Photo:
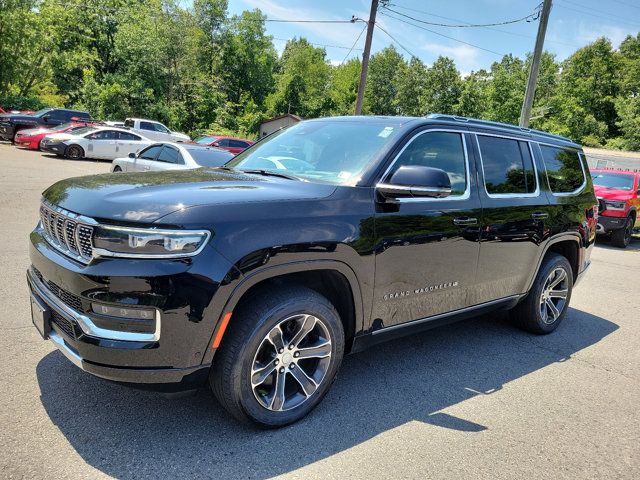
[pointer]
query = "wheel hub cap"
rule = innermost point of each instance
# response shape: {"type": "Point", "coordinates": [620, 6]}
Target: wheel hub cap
{"type": "Point", "coordinates": [554, 294]}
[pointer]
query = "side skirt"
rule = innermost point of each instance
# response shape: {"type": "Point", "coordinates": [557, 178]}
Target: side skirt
{"type": "Point", "coordinates": [370, 339]}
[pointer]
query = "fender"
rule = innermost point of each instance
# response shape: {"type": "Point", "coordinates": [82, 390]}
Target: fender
{"type": "Point", "coordinates": [561, 237]}
{"type": "Point", "coordinates": [238, 290]}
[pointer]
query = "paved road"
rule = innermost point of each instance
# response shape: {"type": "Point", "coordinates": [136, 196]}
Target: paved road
{"type": "Point", "coordinates": [478, 399]}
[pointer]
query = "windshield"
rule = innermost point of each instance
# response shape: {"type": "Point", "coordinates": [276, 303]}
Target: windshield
{"type": "Point", "coordinates": [206, 140]}
{"type": "Point", "coordinates": [324, 150]}
{"type": "Point", "coordinates": [40, 113]}
{"type": "Point", "coordinates": [210, 158]}
{"type": "Point", "coordinates": [619, 181]}
{"type": "Point", "coordinates": [83, 130]}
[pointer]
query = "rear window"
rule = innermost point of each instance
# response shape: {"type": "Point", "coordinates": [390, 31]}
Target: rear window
{"type": "Point", "coordinates": [564, 169]}
{"type": "Point", "coordinates": [209, 157]}
{"type": "Point", "coordinates": [507, 166]}
{"type": "Point", "coordinates": [206, 140]}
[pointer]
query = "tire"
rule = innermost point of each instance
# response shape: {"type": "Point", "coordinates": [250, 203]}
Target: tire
{"type": "Point", "coordinates": [622, 237]}
{"type": "Point", "coordinates": [534, 314]}
{"type": "Point", "coordinates": [74, 152]}
{"type": "Point", "coordinates": [239, 377]}
{"type": "Point", "coordinates": [117, 170]}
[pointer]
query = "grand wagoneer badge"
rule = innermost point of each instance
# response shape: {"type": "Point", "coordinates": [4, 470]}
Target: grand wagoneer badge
{"type": "Point", "coordinates": [420, 291]}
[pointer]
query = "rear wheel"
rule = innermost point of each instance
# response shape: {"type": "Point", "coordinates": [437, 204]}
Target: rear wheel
{"type": "Point", "coordinates": [279, 357]}
{"type": "Point", "coordinates": [622, 237]}
{"type": "Point", "coordinates": [74, 152]}
{"type": "Point", "coordinates": [546, 303]}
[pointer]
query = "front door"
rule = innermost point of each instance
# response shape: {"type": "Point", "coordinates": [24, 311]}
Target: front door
{"type": "Point", "coordinates": [427, 248]}
{"type": "Point", "coordinates": [516, 215]}
{"type": "Point", "coordinates": [103, 144]}
{"type": "Point", "coordinates": [146, 158]}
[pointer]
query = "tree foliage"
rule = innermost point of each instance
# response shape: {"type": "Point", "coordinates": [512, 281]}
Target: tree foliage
{"type": "Point", "coordinates": [197, 68]}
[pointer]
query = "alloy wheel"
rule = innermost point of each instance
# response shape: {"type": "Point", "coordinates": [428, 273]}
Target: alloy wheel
{"type": "Point", "coordinates": [554, 295]}
{"type": "Point", "coordinates": [291, 362]}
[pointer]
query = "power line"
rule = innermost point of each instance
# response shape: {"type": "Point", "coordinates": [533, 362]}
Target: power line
{"type": "Point", "coordinates": [396, 41]}
{"type": "Point", "coordinates": [599, 15]}
{"type": "Point", "coordinates": [443, 35]}
{"type": "Point", "coordinates": [507, 32]}
{"type": "Point", "coordinates": [354, 44]}
{"type": "Point", "coordinates": [530, 17]}
{"type": "Point", "coordinates": [585, 7]}
{"type": "Point", "coordinates": [318, 44]}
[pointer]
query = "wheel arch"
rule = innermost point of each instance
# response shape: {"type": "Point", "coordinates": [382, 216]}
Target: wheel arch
{"type": "Point", "coordinates": [328, 277]}
{"type": "Point", "coordinates": [568, 245]}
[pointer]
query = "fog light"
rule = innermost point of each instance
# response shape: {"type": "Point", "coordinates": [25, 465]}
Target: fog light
{"type": "Point", "coordinates": [121, 312]}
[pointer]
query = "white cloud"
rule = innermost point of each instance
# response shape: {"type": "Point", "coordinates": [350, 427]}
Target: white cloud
{"type": "Point", "coordinates": [465, 56]}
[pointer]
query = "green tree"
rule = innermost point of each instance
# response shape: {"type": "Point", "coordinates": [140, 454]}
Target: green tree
{"type": "Point", "coordinates": [411, 81]}
{"type": "Point", "coordinates": [380, 92]}
{"type": "Point", "coordinates": [442, 87]}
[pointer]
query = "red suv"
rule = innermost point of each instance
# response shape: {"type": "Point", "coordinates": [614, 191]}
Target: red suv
{"type": "Point", "coordinates": [230, 144]}
{"type": "Point", "coordinates": [618, 193]}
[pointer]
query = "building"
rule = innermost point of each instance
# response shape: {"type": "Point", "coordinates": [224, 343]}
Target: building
{"type": "Point", "coordinates": [601, 158]}
{"type": "Point", "coordinates": [276, 123]}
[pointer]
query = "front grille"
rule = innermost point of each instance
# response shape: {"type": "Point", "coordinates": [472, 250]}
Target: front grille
{"type": "Point", "coordinates": [64, 231]}
{"type": "Point", "coordinates": [63, 324]}
{"type": "Point", "coordinates": [68, 298]}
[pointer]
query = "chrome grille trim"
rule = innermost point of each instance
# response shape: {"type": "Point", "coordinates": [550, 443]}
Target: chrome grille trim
{"type": "Point", "coordinates": [68, 232]}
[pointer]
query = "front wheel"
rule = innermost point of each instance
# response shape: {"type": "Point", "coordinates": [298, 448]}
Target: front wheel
{"type": "Point", "coordinates": [279, 357]}
{"type": "Point", "coordinates": [546, 303]}
{"type": "Point", "coordinates": [74, 152]}
{"type": "Point", "coordinates": [622, 237]}
{"type": "Point", "coordinates": [117, 169]}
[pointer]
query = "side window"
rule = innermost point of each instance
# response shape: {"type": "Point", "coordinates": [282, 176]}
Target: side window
{"type": "Point", "coordinates": [147, 126]}
{"type": "Point", "coordinates": [104, 135]}
{"type": "Point", "coordinates": [129, 123]}
{"type": "Point", "coordinates": [238, 144]}
{"type": "Point", "coordinates": [170, 155]}
{"type": "Point", "coordinates": [564, 170]}
{"type": "Point", "coordinates": [507, 166]}
{"type": "Point", "coordinates": [224, 142]}
{"type": "Point", "coordinates": [150, 153]}
{"type": "Point", "coordinates": [161, 128]}
{"type": "Point", "coordinates": [443, 150]}
{"type": "Point", "coordinates": [130, 137]}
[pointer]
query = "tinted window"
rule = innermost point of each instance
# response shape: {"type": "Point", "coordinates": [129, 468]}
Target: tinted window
{"type": "Point", "coordinates": [210, 158]}
{"type": "Point", "coordinates": [507, 166]}
{"type": "Point", "coordinates": [224, 142]}
{"type": "Point", "coordinates": [170, 155]}
{"type": "Point", "coordinates": [129, 123]}
{"type": "Point", "coordinates": [151, 152]}
{"type": "Point", "coordinates": [618, 181]}
{"type": "Point", "coordinates": [147, 126]}
{"type": "Point", "coordinates": [104, 135]}
{"type": "Point", "coordinates": [563, 169]}
{"type": "Point", "coordinates": [443, 150]}
{"type": "Point", "coordinates": [128, 136]}
{"type": "Point", "coordinates": [206, 140]}
{"type": "Point", "coordinates": [238, 144]}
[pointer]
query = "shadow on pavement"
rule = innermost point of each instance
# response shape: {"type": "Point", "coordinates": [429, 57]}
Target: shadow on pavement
{"type": "Point", "coordinates": [128, 433]}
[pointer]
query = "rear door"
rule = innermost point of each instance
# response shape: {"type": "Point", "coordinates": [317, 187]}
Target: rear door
{"type": "Point", "coordinates": [102, 144]}
{"type": "Point", "coordinates": [169, 158]}
{"type": "Point", "coordinates": [128, 143]}
{"type": "Point", "coordinates": [516, 214]}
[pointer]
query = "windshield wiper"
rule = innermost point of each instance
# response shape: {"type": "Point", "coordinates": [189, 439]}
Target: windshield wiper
{"type": "Point", "coordinates": [270, 173]}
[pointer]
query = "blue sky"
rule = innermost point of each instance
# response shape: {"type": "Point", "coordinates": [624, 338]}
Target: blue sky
{"type": "Point", "coordinates": [572, 24]}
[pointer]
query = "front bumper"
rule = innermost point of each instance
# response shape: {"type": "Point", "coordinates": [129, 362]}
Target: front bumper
{"type": "Point", "coordinates": [6, 131]}
{"type": "Point", "coordinates": [607, 224]}
{"type": "Point", "coordinates": [27, 143]}
{"type": "Point", "coordinates": [182, 298]}
{"type": "Point", "coordinates": [57, 148]}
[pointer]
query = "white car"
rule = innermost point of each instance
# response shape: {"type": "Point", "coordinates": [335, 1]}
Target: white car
{"type": "Point", "coordinates": [172, 156]}
{"type": "Point", "coordinates": [155, 130]}
{"type": "Point", "coordinates": [104, 143]}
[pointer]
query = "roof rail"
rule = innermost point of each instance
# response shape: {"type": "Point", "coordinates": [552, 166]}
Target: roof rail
{"type": "Point", "coordinates": [492, 124]}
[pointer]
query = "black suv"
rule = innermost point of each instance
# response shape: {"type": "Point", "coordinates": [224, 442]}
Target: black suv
{"type": "Point", "coordinates": [10, 123]}
{"type": "Point", "coordinates": [323, 239]}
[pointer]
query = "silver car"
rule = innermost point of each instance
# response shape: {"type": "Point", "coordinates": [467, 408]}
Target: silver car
{"type": "Point", "coordinates": [171, 156]}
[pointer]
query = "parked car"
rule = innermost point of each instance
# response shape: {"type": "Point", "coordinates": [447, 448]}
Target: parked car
{"type": "Point", "coordinates": [171, 156]}
{"type": "Point", "coordinates": [30, 138]}
{"type": "Point", "coordinates": [11, 124]}
{"type": "Point", "coordinates": [104, 143]}
{"type": "Point", "coordinates": [154, 130]}
{"type": "Point", "coordinates": [25, 112]}
{"type": "Point", "coordinates": [231, 144]}
{"type": "Point", "coordinates": [618, 192]}
{"type": "Point", "coordinates": [258, 280]}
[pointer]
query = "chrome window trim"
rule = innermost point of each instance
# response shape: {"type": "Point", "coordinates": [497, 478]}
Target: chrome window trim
{"type": "Point", "coordinates": [581, 157]}
{"type": "Point", "coordinates": [85, 323]}
{"type": "Point", "coordinates": [467, 193]}
{"type": "Point", "coordinates": [535, 193]}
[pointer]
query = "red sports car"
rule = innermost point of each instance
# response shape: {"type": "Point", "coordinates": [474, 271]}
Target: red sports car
{"type": "Point", "coordinates": [230, 144]}
{"type": "Point", "coordinates": [31, 138]}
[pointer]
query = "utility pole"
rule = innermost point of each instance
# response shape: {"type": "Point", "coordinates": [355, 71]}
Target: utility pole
{"type": "Point", "coordinates": [365, 56]}
{"type": "Point", "coordinates": [529, 94]}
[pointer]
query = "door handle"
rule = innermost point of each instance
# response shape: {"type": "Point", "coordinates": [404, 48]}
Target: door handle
{"type": "Point", "coordinates": [464, 221]}
{"type": "Point", "coordinates": [539, 215]}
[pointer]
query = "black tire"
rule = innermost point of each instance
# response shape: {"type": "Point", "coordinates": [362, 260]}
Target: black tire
{"type": "Point", "coordinates": [74, 152]}
{"type": "Point", "coordinates": [534, 316]}
{"type": "Point", "coordinates": [622, 237]}
{"type": "Point", "coordinates": [117, 169]}
{"type": "Point", "coordinates": [231, 375]}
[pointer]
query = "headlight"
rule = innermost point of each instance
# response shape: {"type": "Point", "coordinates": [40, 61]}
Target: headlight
{"type": "Point", "coordinates": [109, 241]}
{"type": "Point", "coordinates": [614, 205]}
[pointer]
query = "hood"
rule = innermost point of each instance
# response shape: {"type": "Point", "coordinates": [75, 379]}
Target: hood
{"type": "Point", "coordinates": [613, 193]}
{"type": "Point", "coordinates": [147, 197]}
{"type": "Point", "coordinates": [61, 137]}
{"type": "Point", "coordinates": [34, 131]}
{"type": "Point", "coordinates": [8, 117]}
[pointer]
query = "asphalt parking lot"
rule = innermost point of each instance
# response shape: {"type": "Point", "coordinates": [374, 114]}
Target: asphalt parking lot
{"type": "Point", "coordinates": [476, 399]}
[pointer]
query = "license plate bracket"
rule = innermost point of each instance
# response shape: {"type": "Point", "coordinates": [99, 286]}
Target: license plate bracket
{"type": "Point", "coordinates": [40, 316]}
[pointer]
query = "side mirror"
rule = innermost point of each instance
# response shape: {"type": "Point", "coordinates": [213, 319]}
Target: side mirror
{"type": "Point", "coordinates": [132, 155]}
{"type": "Point", "coordinates": [416, 181]}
